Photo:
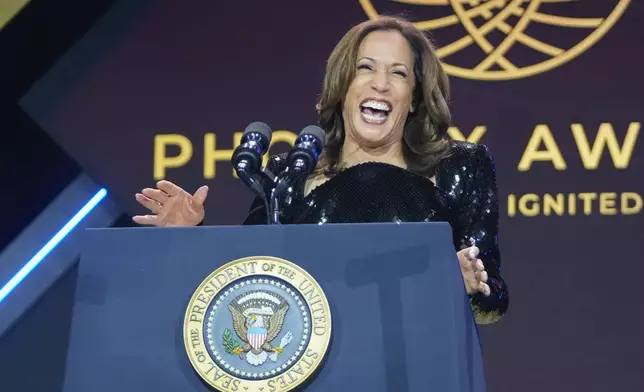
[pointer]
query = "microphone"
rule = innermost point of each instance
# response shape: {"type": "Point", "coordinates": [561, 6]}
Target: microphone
{"type": "Point", "coordinates": [305, 152]}
{"type": "Point", "coordinates": [247, 157]}
{"type": "Point", "coordinates": [255, 141]}
{"type": "Point", "coordinates": [300, 161]}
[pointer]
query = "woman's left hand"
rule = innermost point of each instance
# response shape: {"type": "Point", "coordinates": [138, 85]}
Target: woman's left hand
{"type": "Point", "coordinates": [473, 270]}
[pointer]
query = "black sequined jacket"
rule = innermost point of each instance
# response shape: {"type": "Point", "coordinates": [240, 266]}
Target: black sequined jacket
{"type": "Point", "coordinates": [464, 194]}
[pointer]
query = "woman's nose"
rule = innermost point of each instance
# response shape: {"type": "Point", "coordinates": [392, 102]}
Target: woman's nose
{"type": "Point", "coordinates": [380, 82]}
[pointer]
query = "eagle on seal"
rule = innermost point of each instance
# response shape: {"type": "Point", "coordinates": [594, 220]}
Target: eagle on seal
{"type": "Point", "coordinates": [258, 318]}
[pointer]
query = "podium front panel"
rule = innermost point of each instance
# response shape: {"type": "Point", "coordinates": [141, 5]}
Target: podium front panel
{"type": "Point", "coordinates": [400, 318]}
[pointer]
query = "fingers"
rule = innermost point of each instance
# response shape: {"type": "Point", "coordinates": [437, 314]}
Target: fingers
{"type": "Point", "coordinates": [478, 282]}
{"type": "Point", "coordinates": [468, 255]}
{"type": "Point", "coordinates": [156, 195]}
{"type": "Point", "coordinates": [148, 203]}
{"type": "Point", "coordinates": [146, 220]}
{"type": "Point", "coordinates": [484, 288]}
{"type": "Point", "coordinates": [472, 253]}
{"type": "Point", "coordinates": [478, 265]}
{"type": "Point", "coordinates": [473, 270]}
{"type": "Point", "coordinates": [201, 194]}
{"type": "Point", "coordinates": [169, 188]}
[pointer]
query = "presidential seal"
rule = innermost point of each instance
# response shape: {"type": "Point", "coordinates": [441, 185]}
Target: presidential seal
{"type": "Point", "coordinates": [257, 324]}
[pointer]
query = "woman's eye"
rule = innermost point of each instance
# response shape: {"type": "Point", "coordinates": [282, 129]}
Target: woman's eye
{"type": "Point", "coordinates": [364, 66]}
{"type": "Point", "coordinates": [401, 73]}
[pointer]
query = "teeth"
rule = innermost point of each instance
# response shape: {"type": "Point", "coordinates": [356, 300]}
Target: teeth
{"type": "Point", "coordinates": [374, 118]}
{"type": "Point", "coordinates": [376, 105]}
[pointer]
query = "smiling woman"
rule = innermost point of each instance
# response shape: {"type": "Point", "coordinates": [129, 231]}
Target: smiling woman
{"type": "Point", "coordinates": [395, 107]}
{"type": "Point", "coordinates": [387, 158]}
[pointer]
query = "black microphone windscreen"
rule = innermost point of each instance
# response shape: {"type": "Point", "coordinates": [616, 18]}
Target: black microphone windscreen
{"type": "Point", "coordinates": [261, 128]}
{"type": "Point", "coordinates": [315, 131]}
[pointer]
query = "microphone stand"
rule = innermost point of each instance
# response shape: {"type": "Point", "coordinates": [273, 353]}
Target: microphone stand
{"type": "Point", "coordinates": [301, 161]}
{"type": "Point", "coordinates": [282, 185]}
{"type": "Point", "coordinates": [283, 188]}
{"type": "Point", "coordinates": [254, 184]}
{"type": "Point", "coordinates": [275, 213]}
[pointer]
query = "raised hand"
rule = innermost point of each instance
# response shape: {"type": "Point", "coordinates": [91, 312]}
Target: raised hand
{"type": "Point", "coordinates": [171, 205]}
{"type": "Point", "coordinates": [473, 270]}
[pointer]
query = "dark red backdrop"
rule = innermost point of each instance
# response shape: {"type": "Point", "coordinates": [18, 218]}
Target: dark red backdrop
{"type": "Point", "coordinates": [195, 68]}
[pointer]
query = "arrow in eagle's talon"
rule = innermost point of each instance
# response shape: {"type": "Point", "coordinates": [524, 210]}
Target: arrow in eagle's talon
{"type": "Point", "coordinates": [278, 350]}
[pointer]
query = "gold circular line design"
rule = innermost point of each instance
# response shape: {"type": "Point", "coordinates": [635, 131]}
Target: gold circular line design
{"type": "Point", "coordinates": [510, 38]}
{"type": "Point", "coordinates": [516, 73]}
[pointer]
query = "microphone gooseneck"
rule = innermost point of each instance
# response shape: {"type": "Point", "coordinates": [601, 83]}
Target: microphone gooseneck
{"type": "Point", "coordinates": [247, 159]}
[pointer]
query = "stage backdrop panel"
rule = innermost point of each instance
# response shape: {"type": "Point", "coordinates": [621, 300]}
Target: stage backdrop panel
{"type": "Point", "coordinates": [163, 89]}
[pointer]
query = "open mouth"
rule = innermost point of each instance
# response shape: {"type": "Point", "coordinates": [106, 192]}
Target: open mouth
{"type": "Point", "coordinates": [375, 111]}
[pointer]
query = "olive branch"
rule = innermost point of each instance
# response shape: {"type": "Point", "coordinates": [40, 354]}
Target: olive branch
{"type": "Point", "coordinates": [229, 342]}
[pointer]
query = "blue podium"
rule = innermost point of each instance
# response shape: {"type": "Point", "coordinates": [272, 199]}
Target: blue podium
{"type": "Point", "coordinates": [337, 307]}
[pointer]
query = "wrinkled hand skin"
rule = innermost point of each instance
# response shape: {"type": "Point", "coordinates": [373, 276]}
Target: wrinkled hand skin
{"type": "Point", "coordinates": [171, 205]}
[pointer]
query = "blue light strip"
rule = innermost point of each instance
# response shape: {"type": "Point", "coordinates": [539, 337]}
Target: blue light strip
{"type": "Point", "coordinates": [51, 244]}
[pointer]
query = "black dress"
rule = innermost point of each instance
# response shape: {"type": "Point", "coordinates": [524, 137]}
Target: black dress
{"type": "Point", "coordinates": [465, 195]}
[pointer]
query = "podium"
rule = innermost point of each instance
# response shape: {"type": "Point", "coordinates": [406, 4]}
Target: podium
{"type": "Point", "coordinates": [334, 307]}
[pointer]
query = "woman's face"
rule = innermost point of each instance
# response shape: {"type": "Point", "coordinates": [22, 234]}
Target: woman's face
{"type": "Point", "coordinates": [379, 98]}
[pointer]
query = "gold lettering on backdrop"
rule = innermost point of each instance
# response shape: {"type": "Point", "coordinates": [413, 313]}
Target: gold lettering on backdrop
{"type": "Point", "coordinates": [211, 155]}
{"type": "Point", "coordinates": [591, 156]}
{"type": "Point", "coordinates": [282, 137]}
{"type": "Point", "coordinates": [542, 136]}
{"type": "Point", "coordinates": [554, 204]}
{"type": "Point", "coordinates": [163, 162]}
{"type": "Point", "coordinates": [474, 137]}
{"type": "Point", "coordinates": [607, 203]}
{"type": "Point", "coordinates": [631, 203]}
{"type": "Point", "coordinates": [541, 147]}
{"type": "Point", "coordinates": [571, 204]}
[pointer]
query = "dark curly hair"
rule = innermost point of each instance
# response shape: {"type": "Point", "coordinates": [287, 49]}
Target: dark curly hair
{"type": "Point", "coordinates": [424, 135]}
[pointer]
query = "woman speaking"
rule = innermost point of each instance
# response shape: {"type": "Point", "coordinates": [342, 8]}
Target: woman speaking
{"type": "Point", "coordinates": [384, 109]}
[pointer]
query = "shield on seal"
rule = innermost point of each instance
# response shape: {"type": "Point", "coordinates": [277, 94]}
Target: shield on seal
{"type": "Point", "coordinates": [256, 337]}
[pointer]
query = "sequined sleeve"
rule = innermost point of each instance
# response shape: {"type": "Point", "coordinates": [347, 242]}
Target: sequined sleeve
{"type": "Point", "coordinates": [478, 224]}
